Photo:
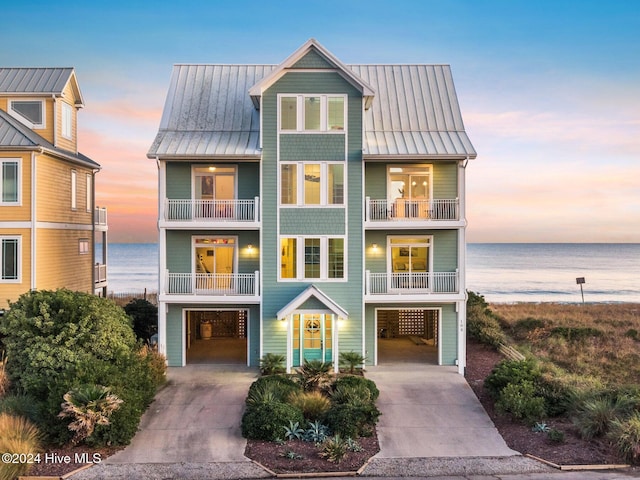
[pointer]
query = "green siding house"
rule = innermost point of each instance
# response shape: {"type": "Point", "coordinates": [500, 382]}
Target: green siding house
{"type": "Point", "coordinates": [311, 208]}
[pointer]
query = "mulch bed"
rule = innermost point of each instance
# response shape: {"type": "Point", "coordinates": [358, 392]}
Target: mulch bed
{"type": "Point", "coordinates": [273, 457]}
{"type": "Point", "coordinates": [573, 451]}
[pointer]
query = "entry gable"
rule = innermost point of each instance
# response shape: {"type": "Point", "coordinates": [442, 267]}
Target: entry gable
{"type": "Point", "coordinates": [311, 55]}
{"type": "Point", "coordinates": [311, 292]}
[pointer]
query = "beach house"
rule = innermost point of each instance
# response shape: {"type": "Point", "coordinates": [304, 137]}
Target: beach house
{"type": "Point", "coordinates": [49, 222]}
{"type": "Point", "coordinates": [311, 208]}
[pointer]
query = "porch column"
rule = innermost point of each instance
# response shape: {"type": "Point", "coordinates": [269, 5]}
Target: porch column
{"type": "Point", "coordinates": [462, 336]}
{"type": "Point", "coordinates": [162, 328]}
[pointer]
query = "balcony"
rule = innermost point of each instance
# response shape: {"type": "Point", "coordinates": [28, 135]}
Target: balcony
{"type": "Point", "coordinates": [212, 288]}
{"type": "Point", "coordinates": [212, 213]}
{"type": "Point", "coordinates": [411, 213]}
{"type": "Point", "coordinates": [100, 275]}
{"type": "Point", "coordinates": [100, 218]}
{"type": "Point", "coordinates": [420, 285]}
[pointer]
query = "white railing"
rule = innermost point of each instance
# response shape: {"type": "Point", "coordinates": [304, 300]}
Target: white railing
{"type": "Point", "coordinates": [100, 272]}
{"type": "Point", "coordinates": [100, 216]}
{"type": "Point", "coordinates": [211, 210]}
{"type": "Point", "coordinates": [413, 210]}
{"type": "Point", "coordinates": [212, 284]}
{"type": "Point", "coordinates": [411, 283]}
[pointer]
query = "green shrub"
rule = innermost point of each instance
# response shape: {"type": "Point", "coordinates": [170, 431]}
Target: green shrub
{"type": "Point", "coordinates": [353, 394]}
{"type": "Point", "coordinates": [511, 372]}
{"type": "Point", "coordinates": [144, 315]}
{"type": "Point", "coordinates": [351, 361]}
{"type": "Point", "coordinates": [625, 435]}
{"type": "Point", "coordinates": [272, 364]}
{"type": "Point", "coordinates": [266, 421]}
{"type": "Point", "coordinates": [58, 340]}
{"type": "Point", "coordinates": [272, 388]}
{"type": "Point", "coordinates": [350, 419]}
{"type": "Point", "coordinates": [576, 334]}
{"type": "Point", "coordinates": [556, 436]}
{"type": "Point", "coordinates": [558, 395]}
{"type": "Point", "coordinates": [355, 380]}
{"type": "Point", "coordinates": [633, 334]}
{"type": "Point", "coordinates": [482, 324]}
{"type": "Point", "coordinates": [594, 416]}
{"type": "Point", "coordinates": [523, 327]}
{"type": "Point", "coordinates": [519, 400]}
{"type": "Point", "coordinates": [313, 405]}
{"type": "Point", "coordinates": [20, 405]}
{"type": "Point", "coordinates": [316, 433]}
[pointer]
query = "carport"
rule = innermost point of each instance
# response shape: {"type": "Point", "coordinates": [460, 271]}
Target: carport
{"type": "Point", "coordinates": [216, 336]}
{"type": "Point", "coordinates": [408, 335]}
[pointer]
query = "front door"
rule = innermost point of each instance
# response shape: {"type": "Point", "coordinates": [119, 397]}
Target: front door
{"type": "Point", "coordinates": [312, 337]}
{"type": "Point", "coordinates": [214, 263]}
{"type": "Point", "coordinates": [215, 191]}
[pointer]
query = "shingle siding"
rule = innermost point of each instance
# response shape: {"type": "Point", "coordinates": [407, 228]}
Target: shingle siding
{"type": "Point", "coordinates": [312, 147]}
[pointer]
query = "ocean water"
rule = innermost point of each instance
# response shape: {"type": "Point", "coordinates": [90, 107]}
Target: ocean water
{"type": "Point", "coordinates": [502, 272]}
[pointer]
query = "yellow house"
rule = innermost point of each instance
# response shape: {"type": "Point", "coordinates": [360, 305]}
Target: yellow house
{"type": "Point", "coordinates": [49, 223]}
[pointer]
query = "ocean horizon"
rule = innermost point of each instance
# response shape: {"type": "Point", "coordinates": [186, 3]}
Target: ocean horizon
{"type": "Point", "coordinates": [501, 272]}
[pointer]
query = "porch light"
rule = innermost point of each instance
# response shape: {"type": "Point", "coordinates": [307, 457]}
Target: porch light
{"type": "Point", "coordinates": [250, 247]}
{"type": "Point", "coordinates": [212, 169]}
{"type": "Point", "coordinates": [374, 246]}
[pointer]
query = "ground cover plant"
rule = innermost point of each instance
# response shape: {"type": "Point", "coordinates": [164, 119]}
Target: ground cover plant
{"type": "Point", "coordinates": [579, 380]}
{"type": "Point", "coordinates": [311, 421]}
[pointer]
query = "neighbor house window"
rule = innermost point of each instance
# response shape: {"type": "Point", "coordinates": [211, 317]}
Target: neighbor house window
{"type": "Point", "coordinates": [67, 116]}
{"type": "Point", "coordinates": [74, 189]}
{"type": "Point", "coordinates": [312, 184]}
{"type": "Point", "coordinates": [29, 112]}
{"type": "Point", "coordinates": [10, 259]}
{"type": "Point", "coordinates": [312, 113]}
{"type": "Point", "coordinates": [83, 246]}
{"type": "Point", "coordinates": [319, 258]}
{"type": "Point", "coordinates": [9, 181]}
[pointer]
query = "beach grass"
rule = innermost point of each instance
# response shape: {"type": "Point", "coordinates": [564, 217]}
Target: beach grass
{"type": "Point", "coordinates": [600, 341]}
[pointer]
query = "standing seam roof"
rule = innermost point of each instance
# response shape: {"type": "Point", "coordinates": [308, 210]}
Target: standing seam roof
{"type": "Point", "coordinates": [34, 80]}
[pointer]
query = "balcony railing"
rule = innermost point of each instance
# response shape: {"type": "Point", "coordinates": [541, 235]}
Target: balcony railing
{"type": "Point", "coordinates": [408, 283]}
{"type": "Point", "coordinates": [100, 216]}
{"type": "Point", "coordinates": [217, 284]}
{"type": "Point", "coordinates": [412, 210]}
{"type": "Point", "coordinates": [211, 210]}
{"type": "Point", "coordinates": [100, 272]}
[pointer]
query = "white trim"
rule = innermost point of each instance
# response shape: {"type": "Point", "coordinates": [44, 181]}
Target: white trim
{"type": "Point", "coordinates": [194, 166]}
{"type": "Point", "coordinates": [34, 205]}
{"type": "Point", "coordinates": [89, 191]}
{"type": "Point", "coordinates": [311, 291]}
{"type": "Point", "coordinates": [235, 245]}
{"type": "Point", "coordinates": [18, 202]}
{"type": "Point", "coordinates": [429, 172]}
{"type": "Point", "coordinates": [66, 113]}
{"type": "Point", "coordinates": [429, 243]}
{"type": "Point", "coordinates": [25, 121]}
{"type": "Point", "coordinates": [18, 254]}
{"type": "Point", "coordinates": [324, 258]}
{"type": "Point", "coordinates": [74, 189]}
{"type": "Point", "coordinates": [324, 113]}
{"type": "Point", "coordinates": [415, 308]}
{"type": "Point", "coordinates": [64, 226]}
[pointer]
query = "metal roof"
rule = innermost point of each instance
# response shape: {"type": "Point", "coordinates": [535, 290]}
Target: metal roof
{"type": "Point", "coordinates": [34, 79]}
{"type": "Point", "coordinates": [414, 113]}
{"type": "Point", "coordinates": [15, 136]}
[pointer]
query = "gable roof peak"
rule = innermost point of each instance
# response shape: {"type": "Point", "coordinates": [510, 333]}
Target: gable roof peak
{"type": "Point", "coordinates": [312, 44]}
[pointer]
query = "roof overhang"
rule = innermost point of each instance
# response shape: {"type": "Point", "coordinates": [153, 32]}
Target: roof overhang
{"type": "Point", "coordinates": [259, 88]}
{"type": "Point", "coordinates": [311, 291]}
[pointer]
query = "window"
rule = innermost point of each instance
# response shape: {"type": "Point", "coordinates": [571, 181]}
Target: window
{"type": "Point", "coordinates": [10, 259]}
{"type": "Point", "coordinates": [83, 246]}
{"type": "Point", "coordinates": [409, 254]}
{"type": "Point", "coordinates": [67, 115]}
{"type": "Point", "coordinates": [320, 258]}
{"type": "Point", "coordinates": [322, 183]}
{"type": "Point", "coordinates": [312, 113]}
{"type": "Point", "coordinates": [74, 189]}
{"type": "Point", "coordinates": [9, 181]}
{"type": "Point", "coordinates": [29, 112]}
{"type": "Point", "coordinates": [89, 192]}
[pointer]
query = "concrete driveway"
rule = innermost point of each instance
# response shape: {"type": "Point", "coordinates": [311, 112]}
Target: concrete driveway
{"type": "Point", "coordinates": [431, 411]}
{"type": "Point", "coordinates": [194, 419]}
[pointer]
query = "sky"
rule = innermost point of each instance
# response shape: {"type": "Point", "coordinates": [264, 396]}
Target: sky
{"type": "Point", "coordinates": [549, 92]}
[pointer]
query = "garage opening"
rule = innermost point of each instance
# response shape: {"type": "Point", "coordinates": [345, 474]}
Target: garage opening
{"type": "Point", "coordinates": [217, 336]}
{"type": "Point", "coordinates": [408, 335]}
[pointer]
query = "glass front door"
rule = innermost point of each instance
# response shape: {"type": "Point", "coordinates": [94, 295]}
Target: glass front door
{"type": "Point", "coordinates": [410, 191]}
{"type": "Point", "coordinates": [312, 337]}
{"type": "Point", "coordinates": [215, 190]}
{"type": "Point", "coordinates": [214, 263]}
{"type": "Point", "coordinates": [409, 262]}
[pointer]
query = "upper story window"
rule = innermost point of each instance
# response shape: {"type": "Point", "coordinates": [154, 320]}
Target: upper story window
{"type": "Point", "coordinates": [312, 113]}
{"type": "Point", "coordinates": [312, 184]}
{"type": "Point", "coordinates": [29, 112]}
{"type": "Point", "coordinates": [9, 181]}
{"type": "Point", "coordinates": [307, 258]}
{"type": "Point", "coordinates": [67, 118]}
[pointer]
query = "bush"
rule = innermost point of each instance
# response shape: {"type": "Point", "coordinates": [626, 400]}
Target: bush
{"type": "Point", "coordinates": [625, 435]}
{"type": "Point", "coordinates": [511, 371]}
{"type": "Point", "coordinates": [272, 364]}
{"type": "Point", "coordinates": [145, 318]}
{"type": "Point", "coordinates": [351, 360]}
{"type": "Point", "coordinates": [17, 435]}
{"type": "Point", "coordinates": [4, 377]}
{"type": "Point", "coordinates": [595, 416]}
{"type": "Point", "coordinates": [20, 405]}
{"type": "Point", "coordinates": [266, 421]}
{"type": "Point", "coordinates": [276, 388]}
{"type": "Point", "coordinates": [522, 328]}
{"type": "Point", "coordinates": [555, 436]}
{"type": "Point", "coordinates": [334, 449]}
{"type": "Point", "coordinates": [58, 340]}
{"type": "Point", "coordinates": [576, 334]}
{"type": "Point", "coordinates": [354, 380]}
{"type": "Point", "coordinates": [349, 420]}
{"type": "Point", "coordinates": [558, 395]}
{"type": "Point", "coordinates": [314, 375]}
{"type": "Point", "coordinates": [520, 400]}
{"type": "Point", "coordinates": [313, 405]}
{"type": "Point", "coordinates": [482, 324]}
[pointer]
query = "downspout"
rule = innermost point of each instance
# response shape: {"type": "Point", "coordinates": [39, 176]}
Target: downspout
{"type": "Point", "coordinates": [462, 254]}
{"type": "Point", "coordinates": [33, 220]}
{"type": "Point", "coordinates": [55, 118]}
{"type": "Point", "coordinates": [93, 231]}
{"type": "Point", "coordinates": [162, 305]}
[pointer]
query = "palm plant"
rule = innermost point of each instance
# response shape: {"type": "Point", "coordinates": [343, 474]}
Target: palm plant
{"type": "Point", "coordinates": [272, 364]}
{"type": "Point", "coordinates": [89, 406]}
{"type": "Point", "coordinates": [351, 360]}
{"type": "Point", "coordinates": [314, 375]}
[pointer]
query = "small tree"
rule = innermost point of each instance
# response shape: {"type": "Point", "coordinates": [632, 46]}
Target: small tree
{"type": "Point", "coordinates": [145, 318]}
{"type": "Point", "coordinates": [272, 364]}
{"type": "Point", "coordinates": [351, 360]}
{"type": "Point", "coordinates": [89, 406]}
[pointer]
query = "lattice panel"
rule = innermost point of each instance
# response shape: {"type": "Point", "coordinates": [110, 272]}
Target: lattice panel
{"type": "Point", "coordinates": [411, 322]}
